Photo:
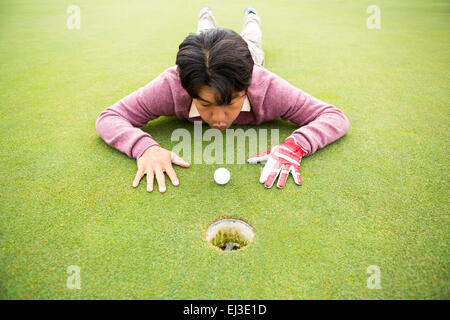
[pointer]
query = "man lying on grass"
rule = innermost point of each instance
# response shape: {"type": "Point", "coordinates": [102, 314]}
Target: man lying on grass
{"type": "Point", "coordinates": [219, 78]}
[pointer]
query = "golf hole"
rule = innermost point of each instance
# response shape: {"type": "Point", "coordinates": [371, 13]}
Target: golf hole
{"type": "Point", "coordinates": [230, 234]}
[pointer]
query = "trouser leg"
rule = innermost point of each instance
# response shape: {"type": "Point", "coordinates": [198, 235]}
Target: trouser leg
{"type": "Point", "coordinates": [206, 20]}
{"type": "Point", "coordinates": [252, 34]}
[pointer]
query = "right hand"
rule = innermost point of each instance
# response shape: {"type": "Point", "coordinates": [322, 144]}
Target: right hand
{"type": "Point", "coordinates": [280, 161]}
{"type": "Point", "coordinates": [154, 162]}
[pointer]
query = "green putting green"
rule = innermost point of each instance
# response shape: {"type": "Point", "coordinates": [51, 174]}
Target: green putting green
{"type": "Point", "coordinates": [376, 197]}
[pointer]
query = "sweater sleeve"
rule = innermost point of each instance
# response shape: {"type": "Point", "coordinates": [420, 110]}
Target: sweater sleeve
{"type": "Point", "coordinates": [319, 123]}
{"type": "Point", "coordinates": [118, 124]}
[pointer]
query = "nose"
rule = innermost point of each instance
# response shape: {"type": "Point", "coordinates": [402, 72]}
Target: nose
{"type": "Point", "coordinates": [218, 116]}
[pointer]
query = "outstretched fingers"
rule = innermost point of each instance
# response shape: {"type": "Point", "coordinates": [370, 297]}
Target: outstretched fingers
{"type": "Point", "coordinates": [178, 160]}
{"type": "Point", "coordinates": [272, 177]}
{"type": "Point", "coordinates": [161, 181]}
{"type": "Point", "coordinates": [283, 176]}
{"type": "Point", "coordinates": [150, 180]}
{"type": "Point", "coordinates": [260, 158]}
{"type": "Point", "coordinates": [295, 170]}
{"type": "Point", "coordinates": [267, 170]}
{"type": "Point", "coordinates": [172, 175]}
{"type": "Point", "coordinates": [139, 174]}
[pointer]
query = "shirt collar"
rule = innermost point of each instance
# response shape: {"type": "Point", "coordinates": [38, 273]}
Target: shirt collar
{"type": "Point", "coordinates": [193, 112]}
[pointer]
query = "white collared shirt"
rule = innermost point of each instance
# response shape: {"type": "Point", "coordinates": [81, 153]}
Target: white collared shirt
{"type": "Point", "coordinates": [193, 112]}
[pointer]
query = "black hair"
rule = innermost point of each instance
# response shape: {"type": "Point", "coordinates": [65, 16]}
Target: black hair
{"type": "Point", "coordinates": [218, 58]}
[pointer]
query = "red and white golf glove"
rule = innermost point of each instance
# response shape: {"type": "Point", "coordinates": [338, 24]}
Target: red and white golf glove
{"type": "Point", "coordinates": [280, 160]}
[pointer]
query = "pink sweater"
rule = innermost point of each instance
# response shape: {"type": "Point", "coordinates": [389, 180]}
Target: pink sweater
{"type": "Point", "coordinates": [270, 97]}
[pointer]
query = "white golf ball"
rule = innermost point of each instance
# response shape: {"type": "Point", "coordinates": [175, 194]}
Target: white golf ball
{"type": "Point", "coordinates": [222, 176]}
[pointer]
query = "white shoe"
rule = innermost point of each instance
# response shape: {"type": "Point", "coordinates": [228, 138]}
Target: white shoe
{"type": "Point", "coordinates": [249, 10]}
{"type": "Point", "coordinates": [205, 20]}
{"type": "Point", "coordinates": [204, 10]}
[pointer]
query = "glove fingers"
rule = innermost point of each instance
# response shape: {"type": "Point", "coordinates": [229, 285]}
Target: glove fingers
{"type": "Point", "coordinates": [260, 157]}
{"type": "Point", "coordinates": [272, 177]}
{"type": "Point", "coordinates": [283, 176]}
{"type": "Point", "coordinates": [296, 175]}
{"type": "Point", "coordinates": [257, 159]}
{"type": "Point", "coordinates": [267, 170]}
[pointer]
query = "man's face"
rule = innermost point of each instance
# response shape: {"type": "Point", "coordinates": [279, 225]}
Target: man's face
{"type": "Point", "coordinates": [219, 117]}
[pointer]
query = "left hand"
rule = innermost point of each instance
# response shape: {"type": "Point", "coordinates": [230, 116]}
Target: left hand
{"type": "Point", "coordinates": [282, 158]}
